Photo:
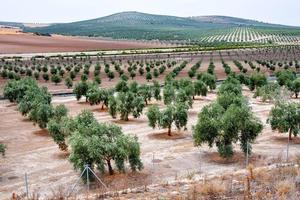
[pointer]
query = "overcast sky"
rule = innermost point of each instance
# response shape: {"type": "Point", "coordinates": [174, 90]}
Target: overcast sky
{"type": "Point", "coordinates": [47, 11]}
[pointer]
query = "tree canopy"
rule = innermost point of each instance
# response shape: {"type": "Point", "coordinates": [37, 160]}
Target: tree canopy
{"type": "Point", "coordinates": [98, 144]}
{"type": "Point", "coordinates": [285, 117]}
{"type": "Point", "coordinates": [177, 114]}
{"type": "Point", "coordinates": [227, 121]}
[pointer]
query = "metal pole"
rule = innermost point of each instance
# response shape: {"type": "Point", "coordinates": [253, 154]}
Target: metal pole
{"type": "Point", "coordinates": [98, 178]}
{"type": "Point", "coordinates": [247, 155]}
{"type": "Point", "coordinates": [26, 184]}
{"type": "Point", "coordinates": [287, 149]}
{"type": "Point", "coordinates": [87, 180]}
{"type": "Point", "coordinates": [77, 182]}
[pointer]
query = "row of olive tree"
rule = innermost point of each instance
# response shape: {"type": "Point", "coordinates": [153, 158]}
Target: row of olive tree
{"type": "Point", "coordinates": [91, 142]}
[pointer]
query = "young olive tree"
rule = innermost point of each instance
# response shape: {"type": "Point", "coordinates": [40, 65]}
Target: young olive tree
{"type": "Point", "coordinates": [103, 144]}
{"type": "Point", "coordinates": [269, 92]}
{"type": "Point", "coordinates": [59, 126]}
{"type": "Point", "coordinates": [257, 80]}
{"type": "Point", "coordinates": [2, 149]}
{"type": "Point", "coordinates": [156, 91]}
{"type": "Point", "coordinates": [285, 117]}
{"type": "Point", "coordinates": [228, 120]}
{"type": "Point", "coordinates": [126, 103]}
{"type": "Point", "coordinates": [224, 127]}
{"type": "Point", "coordinates": [177, 114]}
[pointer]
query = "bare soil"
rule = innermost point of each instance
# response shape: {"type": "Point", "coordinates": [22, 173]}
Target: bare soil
{"type": "Point", "coordinates": [165, 158]}
{"type": "Point", "coordinates": [14, 42]}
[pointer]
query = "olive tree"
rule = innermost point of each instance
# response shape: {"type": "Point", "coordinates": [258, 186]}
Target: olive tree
{"type": "Point", "coordinates": [269, 92]}
{"type": "Point", "coordinates": [222, 127]}
{"type": "Point", "coordinates": [156, 90]}
{"type": "Point", "coordinates": [59, 126]}
{"type": "Point", "coordinates": [81, 89]}
{"type": "Point", "coordinates": [2, 149]}
{"type": "Point", "coordinates": [36, 104]}
{"type": "Point", "coordinates": [209, 79]}
{"type": "Point", "coordinates": [69, 82]}
{"type": "Point", "coordinates": [15, 90]}
{"type": "Point", "coordinates": [177, 114]}
{"type": "Point", "coordinates": [295, 87]}
{"type": "Point", "coordinates": [257, 80]}
{"type": "Point", "coordinates": [126, 103]}
{"type": "Point", "coordinates": [200, 88]}
{"type": "Point", "coordinates": [168, 94]}
{"type": "Point", "coordinates": [285, 77]}
{"type": "Point", "coordinates": [99, 144]}
{"type": "Point", "coordinates": [285, 117]}
{"type": "Point", "coordinates": [145, 91]}
{"type": "Point", "coordinates": [56, 79]}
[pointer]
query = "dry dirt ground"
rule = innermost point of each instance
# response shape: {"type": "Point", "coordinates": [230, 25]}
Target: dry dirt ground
{"type": "Point", "coordinates": [31, 150]}
{"type": "Point", "coordinates": [15, 42]}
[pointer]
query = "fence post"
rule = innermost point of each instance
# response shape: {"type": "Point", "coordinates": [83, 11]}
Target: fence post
{"type": "Point", "coordinates": [87, 180]}
{"type": "Point", "coordinates": [287, 150]}
{"type": "Point", "coordinates": [26, 184]}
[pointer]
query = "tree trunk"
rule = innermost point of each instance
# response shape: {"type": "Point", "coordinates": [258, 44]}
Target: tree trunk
{"type": "Point", "coordinates": [290, 134]}
{"type": "Point", "coordinates": [193, 97]}
{"type": "Point", "coordinates": [102, 107]}
{"type": "Point", "coordinates": [110, 169]}
{"type": "Point", "coordinates": [146, 102]}
{"type": "Point", "coordinates": [126, 117]}
{"type": "Point", "coordinates": [169, 131]}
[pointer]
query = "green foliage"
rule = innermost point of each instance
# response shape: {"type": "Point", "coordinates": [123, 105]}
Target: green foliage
{"type": "Point", "coordinates": [95, 95]}
{"type": "Point", "coordinates": [36, 103]}
{"type": "Point", "coordinates": [145, 91]}
{"type": "Point", "coordinates": [209, 79]}
{"type": "Point", "coordinates": [69, 82]}
{"type": "Point", "coordinates": [97, 144]}
{"type": "Point", "coordinates": [257, 80]}
{"type": "Point", "coordinates": [168, 94]}
{"type": "Point", "coordinates": [285, 77]}
{"type": "Point", "coordinates": [80, 89]}
{"type": "Point", "coordinates": [224, 127]}
{"type": "Point", "coordinates": [2, 149]}
{"type": "Point", "coordinates": [126, 103]}
{"type": "Point", "coordinates": [269, 92]}
{"type": "Point", "coordinates": [177, 114]}
{"type": "Point", "coordinates": [59, 126]}
{"type": "Point", "coordinates": [97, 79]}
{"type": "Point", "coordinates": [122, 86]}
{"type": "Point", "coordinates": [200, 88]}
{"type": "Point", "coordinates": [15, 90]}
{"type": "Point", "coordinates": [46, 77]}
{"type": "Point", "coordinates": [156, 91]}
{"type": "Point", "coordinates": [295, 87]}
{"type": "Point", "coordinates": [285, 117]}
{"type": "Point", "coordinates": [56, 79]}
{"type": "Point", "coordinates": [230, 92]}
{"type": "Point", "coordinates": [148, 76]}
{"type": "Point", "coordinates": [227, 121]}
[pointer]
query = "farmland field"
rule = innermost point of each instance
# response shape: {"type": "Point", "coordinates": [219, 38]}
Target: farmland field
{"type": "Point", "coordinates": [32, 150]}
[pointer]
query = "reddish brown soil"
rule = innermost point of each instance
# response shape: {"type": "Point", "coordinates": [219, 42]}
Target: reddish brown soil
{"type": "Point", "coordinates": [165, 158]}
{"type": "Point", "coordinates": [28, 43]}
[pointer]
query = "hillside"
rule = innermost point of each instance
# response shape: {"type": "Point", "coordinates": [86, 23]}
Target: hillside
{"type": "Point", "coordinates": [133, 25]}
{"type": "Point", "coordinates": [235, 21]}
{"type": "Point", "coordinates": [142, 26]}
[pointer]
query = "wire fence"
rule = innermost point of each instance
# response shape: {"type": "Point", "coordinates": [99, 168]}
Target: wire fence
{"type": "Point", "coordinates": [160, 171]}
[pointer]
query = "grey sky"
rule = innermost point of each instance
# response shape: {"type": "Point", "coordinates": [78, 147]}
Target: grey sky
{"type": "Point", "coordinates": [273, 11]}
